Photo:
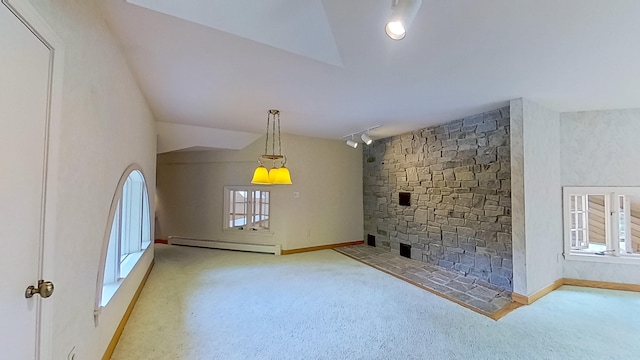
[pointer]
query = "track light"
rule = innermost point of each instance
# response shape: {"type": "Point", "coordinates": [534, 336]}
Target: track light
{"type": "Point", "coordinates": [352, 143]}
{"type": "Point", "coordinates": [365, 137]}
{"type": "Point", "coordinates": [402, 15]}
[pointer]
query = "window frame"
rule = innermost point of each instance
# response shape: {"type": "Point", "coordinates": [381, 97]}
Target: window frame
{"type": "Point", "coordinates": [250, 205]}
{"type": "Point", "coordinates": [578, 211]}
{"type": "Point", "coordinates": [612, 195]}
{"type": "Point", "coordinates": [112, 264]}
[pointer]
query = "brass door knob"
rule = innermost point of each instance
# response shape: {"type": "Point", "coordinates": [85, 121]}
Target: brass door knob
{"type": "Point", "coordinates": [45, 289]}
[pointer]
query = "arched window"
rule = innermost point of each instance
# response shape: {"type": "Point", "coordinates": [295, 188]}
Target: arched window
{"type": "Point", "coordinates": [129, 233]}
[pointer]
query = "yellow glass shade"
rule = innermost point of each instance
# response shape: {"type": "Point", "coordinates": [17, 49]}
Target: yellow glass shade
{"type": "Point", "coordinates": [283, 177]}
{"type": "Point", "coordinates": [273, 173]}
{"type": "Point", "coordinates": [261, 176]}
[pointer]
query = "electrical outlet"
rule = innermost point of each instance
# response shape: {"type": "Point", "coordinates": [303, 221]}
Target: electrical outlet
{"type": "Point", "coordinates": [72, 354]}
{"type": "Point", "coordinates": [296, 194]}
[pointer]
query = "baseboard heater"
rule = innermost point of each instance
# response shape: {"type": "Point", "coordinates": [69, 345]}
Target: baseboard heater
{"type": "Point", "coordinates": [225, 245]}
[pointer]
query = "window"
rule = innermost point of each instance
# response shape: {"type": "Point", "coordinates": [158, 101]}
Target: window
{"type": "Point", "coordinates": [129, 231]}
{"type": "Point", "coordinates": [246, 208]}
{"type": "Point", "coordinates": [579, 232]}
{"type": "Point", "coordinates": [602, 222]}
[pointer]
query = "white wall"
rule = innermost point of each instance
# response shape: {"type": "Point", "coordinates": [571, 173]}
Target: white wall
{"type": "Point", "coordinates": [106, 125]}
{"type": "Point", "coordinates": [326, 173]}
{"type": "Point", "coordinates": [601, 148]}
{"type": "Point", "coordinates": [536, 196]}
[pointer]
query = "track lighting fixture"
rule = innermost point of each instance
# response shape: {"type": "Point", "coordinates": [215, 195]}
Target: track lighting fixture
{"type": "Point", "coordinates": [402, 15]}
{"type": "Point", "coordinates": [366, 139]}
{"type": "Point", "coordinates": [353, 144]}
{"type": "Point", "coordinates": [364, 136]}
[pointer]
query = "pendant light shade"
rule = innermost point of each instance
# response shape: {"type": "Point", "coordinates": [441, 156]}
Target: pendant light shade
{"type": "Point", "coordinates": [273, 173]}
{"type": "Point", "coordinates": [261, 176]}
{"type": "Point", "coordinates": [278, 174]}
{"type": "Point", "coordinates": [283, 177]}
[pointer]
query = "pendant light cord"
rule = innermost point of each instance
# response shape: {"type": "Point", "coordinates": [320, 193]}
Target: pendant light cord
{"type": "Point", "coordinates": [279, 137]}
{"type": "Point", "coordinates": [266, 141]}
{"type": "Point", "coordinates": [273, 136]}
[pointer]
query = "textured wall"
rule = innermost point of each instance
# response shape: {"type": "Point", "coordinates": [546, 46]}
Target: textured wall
{"type": "Point", "coordinates": [459, 178]}
{"type": "Point", "coordinates": [536, 196]}
{"type": "Point", "coordinates": [600, 148]}
{"type": "Point", "coordinates": [326, 174]}
{"type": "Point", "coordinates": [105, 126]}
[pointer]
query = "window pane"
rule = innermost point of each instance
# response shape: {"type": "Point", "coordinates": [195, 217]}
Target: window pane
{"type": "Point", "coordinates": [146, 218]}
{"type": "Point", "coordinates": [125, 229]}
{"type": "Point", "coordinates": [232, 215]}
{"type": "Point", "coordinates": [596, 222]}
{"type": "Point", "coordinates": [260, 209]}
{"type": "Point", "coordinates": [579, 200]}
{"type": "Point", "coordinates": [111, 264]}
{"type": "Point", "coordinates": [238, 203]}
{"type": "Point", "coordinates": [132, 214]}
{"type": "Point", "coordinates": [632, 229]}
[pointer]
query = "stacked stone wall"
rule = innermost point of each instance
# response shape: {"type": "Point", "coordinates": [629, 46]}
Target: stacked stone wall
{"type": "Point", "coordinates": [459, 178]}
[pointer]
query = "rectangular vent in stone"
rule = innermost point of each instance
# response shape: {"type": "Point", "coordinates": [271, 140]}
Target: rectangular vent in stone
{"type": "Point", "coordinates": [405, 250]}
{"type": "Point", "coordinates": [371, 240]}
{"type": "Point", "coordinates": [405, 198]}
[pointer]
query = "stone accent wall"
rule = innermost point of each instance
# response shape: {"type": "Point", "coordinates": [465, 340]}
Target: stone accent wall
{"type": "Point", "coordinates": [459, 177]}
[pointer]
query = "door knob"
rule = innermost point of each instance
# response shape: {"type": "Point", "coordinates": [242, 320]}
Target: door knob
{"type": "Point", "coordinates": [45, 289]}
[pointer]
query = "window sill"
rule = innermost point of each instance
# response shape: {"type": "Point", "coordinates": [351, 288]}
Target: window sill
{"type": "Point", "coordinates": [129, 262]}
{"type": "Point", "coordinates": [247, 232]}
{"type": "Point", "coordinates": [110, 289]}
{"type": "Point", "coordinates": [627, 259]}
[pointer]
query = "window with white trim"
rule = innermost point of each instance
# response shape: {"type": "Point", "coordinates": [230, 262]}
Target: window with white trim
{"type": "Point", "coordinates": [246, 208]}
{"type": "Point", "coordinates": [129, 234]}
{"type": "Point", "coordinates": [602, 223]}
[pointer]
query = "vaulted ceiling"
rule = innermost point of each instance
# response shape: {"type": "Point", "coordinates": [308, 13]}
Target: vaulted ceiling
{"type": "Point", "coordinates": [331, 70]}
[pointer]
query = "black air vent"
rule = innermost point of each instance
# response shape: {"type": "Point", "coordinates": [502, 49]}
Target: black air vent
{"type": "Point", "coordinates": [405, 198]}
{"type": "Point", "coordinates": [371, 240]}
{"type": "Point", "coordinates": [405, 250]}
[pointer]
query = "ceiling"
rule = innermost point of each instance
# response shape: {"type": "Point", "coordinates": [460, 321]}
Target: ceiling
{"type": "Point", "coordinates": [328, 66]}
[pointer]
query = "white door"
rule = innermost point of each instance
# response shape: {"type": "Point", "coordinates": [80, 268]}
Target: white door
{"type": "Point", "coordinates": [24, 79]}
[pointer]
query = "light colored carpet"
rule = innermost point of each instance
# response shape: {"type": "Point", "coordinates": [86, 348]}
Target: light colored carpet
{"type": "Point", "coordinates": [213, 304]}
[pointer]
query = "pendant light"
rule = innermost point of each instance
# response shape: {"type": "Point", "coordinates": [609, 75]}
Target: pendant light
{"type": "Point", "coordinates": [278, 175]}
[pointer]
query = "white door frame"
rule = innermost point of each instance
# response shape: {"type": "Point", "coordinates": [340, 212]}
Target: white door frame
{"type": "Point", "coordinates": [36, 24]}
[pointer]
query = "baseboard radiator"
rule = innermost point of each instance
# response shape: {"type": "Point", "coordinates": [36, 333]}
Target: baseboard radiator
{"type": "Point", "coordinates": [225, 245]}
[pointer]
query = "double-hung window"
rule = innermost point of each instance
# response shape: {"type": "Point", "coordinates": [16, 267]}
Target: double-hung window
{"type": "Point", "coordinates": [247, 208]}
{"type": "Point", "coordinates": [602, 223]}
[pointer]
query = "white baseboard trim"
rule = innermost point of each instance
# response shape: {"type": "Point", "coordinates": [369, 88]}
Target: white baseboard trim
{"type": "Point", "coordinates": [225, 245]}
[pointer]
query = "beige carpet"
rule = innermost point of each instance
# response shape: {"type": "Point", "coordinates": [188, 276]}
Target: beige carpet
{"type": "Point", "coordinates": [213, 304]}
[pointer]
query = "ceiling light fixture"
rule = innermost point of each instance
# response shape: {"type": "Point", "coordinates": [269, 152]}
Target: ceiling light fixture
{"type": "Point", "coordinates": [277, 175]}
{"type": "Point", "coordinates": [364, 136]}
{"type": "Point", "coordinates": [353, 144]}
{"type": "Point", "coordinates": [402, 14]}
